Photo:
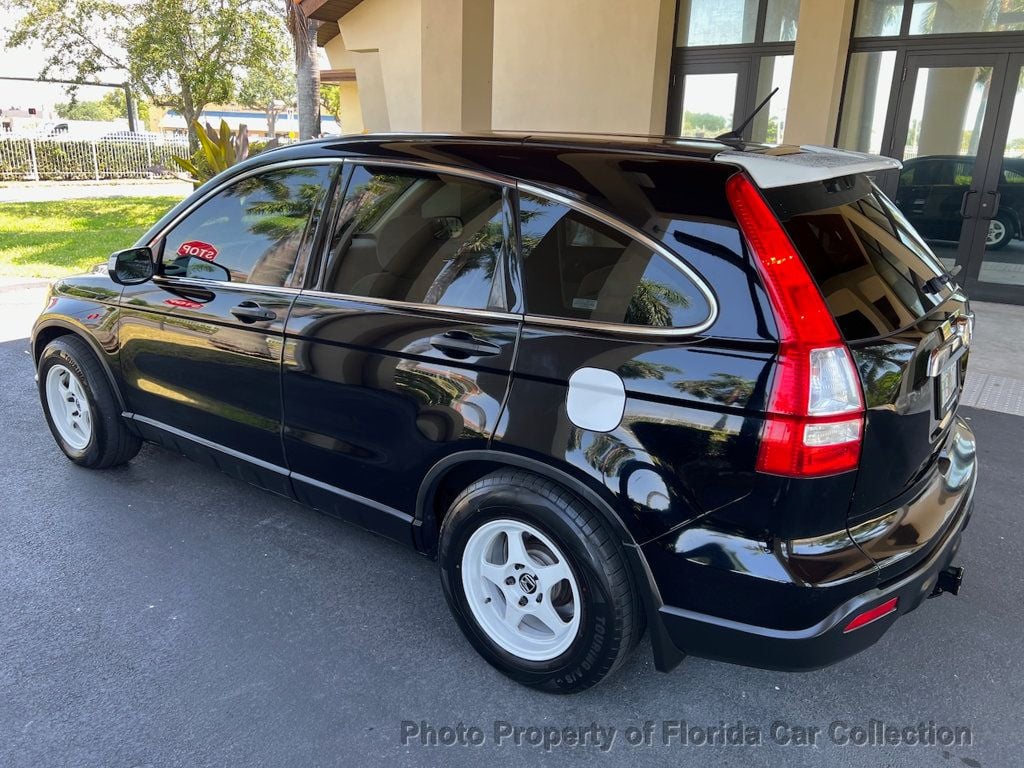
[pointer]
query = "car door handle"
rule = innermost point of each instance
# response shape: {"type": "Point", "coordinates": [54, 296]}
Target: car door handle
{"type": "Point", "coordinates": [250, 311]}
{"type": "Point", "coordinates": [460, 345]}
{"type": "Point", "coordinates": [964, 204]}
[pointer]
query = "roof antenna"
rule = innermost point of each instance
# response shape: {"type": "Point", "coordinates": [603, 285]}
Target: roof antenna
{"type": "Point", "coordinates": [736, 134]}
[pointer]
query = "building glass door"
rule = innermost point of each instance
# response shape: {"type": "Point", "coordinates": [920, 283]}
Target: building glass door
{"type": "Point", "coordinates": [939, 85]}
{"type": "Point", "coordinates": [960, 138]}
{"type": "Point", "coordinates": [1000, 270]}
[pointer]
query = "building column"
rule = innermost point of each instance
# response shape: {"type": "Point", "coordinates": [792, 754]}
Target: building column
{"type": "Point", "coordinates": [456, 48]}
{"type": "Point", "coordinates": [819, 63]}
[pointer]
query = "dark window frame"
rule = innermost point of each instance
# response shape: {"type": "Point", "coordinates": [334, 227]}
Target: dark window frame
{"type": "Point", "coordinates": [745, 58]}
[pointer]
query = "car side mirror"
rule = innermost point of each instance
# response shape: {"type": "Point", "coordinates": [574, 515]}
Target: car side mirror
{"type": "Point", "coordinates": [131, 266]}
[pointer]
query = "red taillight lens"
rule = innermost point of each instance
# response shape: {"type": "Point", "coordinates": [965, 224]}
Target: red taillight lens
{"type": "Point", "coordinates": [815, 412]}
{"type": "Point", "coordinates": [876, 613]}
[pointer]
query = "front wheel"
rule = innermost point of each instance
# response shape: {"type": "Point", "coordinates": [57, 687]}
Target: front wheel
{"type": "Point", "coordinates": [537, 582]}
{"type": "Point", "coordinates": [1000, 232]}
{"type": "Point", "coordinates": [81, 408]}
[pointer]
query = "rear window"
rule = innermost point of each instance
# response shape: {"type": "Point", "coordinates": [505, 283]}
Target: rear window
{"type": "Point", "coordinates": [871, 266]}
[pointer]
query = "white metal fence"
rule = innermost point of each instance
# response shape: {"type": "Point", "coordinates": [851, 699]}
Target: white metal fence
{"type": "Point", "coordinates": [65, 158]}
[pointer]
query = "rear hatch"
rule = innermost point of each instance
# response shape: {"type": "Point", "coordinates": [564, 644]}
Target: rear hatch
{"type": "Point", "coordinates": [905, 321]}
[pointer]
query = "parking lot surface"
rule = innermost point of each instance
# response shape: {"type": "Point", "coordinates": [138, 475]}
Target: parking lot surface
{"type": "Point", "coordinates": [162, 614]}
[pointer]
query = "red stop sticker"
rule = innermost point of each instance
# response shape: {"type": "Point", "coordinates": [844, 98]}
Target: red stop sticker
{"type": "Point", "coordinates": [199, 249]}
{"type": "Point", "coordinates": [185, 303]}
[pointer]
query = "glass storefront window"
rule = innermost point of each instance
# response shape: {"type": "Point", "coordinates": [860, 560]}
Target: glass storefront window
{"type": "Point", "coordinates": [780, 21]}
{"type": "Point", "coordinates": [769, 126]}
{"type": "Point", "coordinates": [868, 85]}
{"type": "Point", "coordinates": [716, 22]}
{"type": "Point", "coordinates": [878, 18]}
{"type": "Point", "coordinates": [708, 104]}
{"type": "Point", "coordinates": [947, 112]}
{"type": "Point", "coordinates": [941, 17]}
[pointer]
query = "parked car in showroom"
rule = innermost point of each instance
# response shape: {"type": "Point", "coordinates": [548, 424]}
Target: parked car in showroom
{"type": "Point", "coordinates": [932, 193]}
{"type": "Point", "coordinates": [699, 388]}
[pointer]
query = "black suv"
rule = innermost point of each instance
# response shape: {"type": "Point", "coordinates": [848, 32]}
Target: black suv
{"type": "Point", "coordinates": [703, 388]}
{"type": "Point", "coordinates": [932, 194]}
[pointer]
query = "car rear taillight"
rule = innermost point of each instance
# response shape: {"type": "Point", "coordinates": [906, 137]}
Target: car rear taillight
{"type": "Point", "coordinates": [815, 412]}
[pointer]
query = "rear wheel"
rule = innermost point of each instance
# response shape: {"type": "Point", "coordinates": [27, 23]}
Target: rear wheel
{"type": "Point", "coordinates": [81, 408]}
{"type": "Point", "coordinates": [1000, 232]}
{"type": "Point", "coordinates": [537, 582]}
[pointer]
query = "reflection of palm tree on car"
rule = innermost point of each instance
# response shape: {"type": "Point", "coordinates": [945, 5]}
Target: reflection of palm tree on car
{"type": "Point", "coordinates": [652, 303]}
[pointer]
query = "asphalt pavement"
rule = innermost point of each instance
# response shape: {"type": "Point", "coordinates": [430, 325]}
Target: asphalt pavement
{"type": "Point", "coordinates": [162, 614]}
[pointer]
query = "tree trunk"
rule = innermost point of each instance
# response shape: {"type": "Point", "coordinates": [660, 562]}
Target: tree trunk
{"type": "Point", "coordinates": [271, 122]}
{"type": "Point", "coordinates": [307, 75]}
{"type": "Point", "coordinates": [191, 114]}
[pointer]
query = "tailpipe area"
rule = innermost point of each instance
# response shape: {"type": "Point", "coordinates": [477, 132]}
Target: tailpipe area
{"type": "Point", "coordinates": [950, 579]}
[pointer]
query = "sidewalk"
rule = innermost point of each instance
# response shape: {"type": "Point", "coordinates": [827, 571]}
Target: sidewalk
{"type": "Point", "coordinates": [43, 191]}
{"type": "Point", "coordinates": [996, 378]}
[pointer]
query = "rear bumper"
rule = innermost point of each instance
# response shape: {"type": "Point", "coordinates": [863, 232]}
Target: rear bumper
{"type": "Point", "coordinates": [910, 578]}
{"type": "Point", "coordinates": [816, 646]}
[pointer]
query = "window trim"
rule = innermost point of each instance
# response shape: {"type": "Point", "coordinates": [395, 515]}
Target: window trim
{"type": "Point", "coordinates": [201, 282]}
{"type": "Point", "coordinates": [633, 233]}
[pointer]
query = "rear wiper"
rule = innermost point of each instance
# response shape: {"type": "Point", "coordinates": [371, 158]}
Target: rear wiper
{"type": "Point", "coordinates": [945, 280]}
{"type": "Point", "coordinates": [736, 134]}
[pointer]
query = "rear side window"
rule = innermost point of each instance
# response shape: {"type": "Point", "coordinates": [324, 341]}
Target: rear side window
{"type": "Point", "coordinates": [419, 237]}
{"type": "Point", "coordinates": [254, 231]}
{"type": "Point", "coordinates": [871, 266]}
{"type": "Point", "coordinates": [577, 267]}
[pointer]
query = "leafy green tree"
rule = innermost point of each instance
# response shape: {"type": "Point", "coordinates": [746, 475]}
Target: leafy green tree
{"type": "Point", "coordinates": [705, 122]}
{"type": "Point", "coordinates": [112, 106]}
{"type": "Point", "coordinates": [330, 100]}
{"type": "Point", "coordinates": [84, 110]}
{"type": "Point", "coordinates": [270, 85]}
{"type": "Point", "coordinates": [182, 54]}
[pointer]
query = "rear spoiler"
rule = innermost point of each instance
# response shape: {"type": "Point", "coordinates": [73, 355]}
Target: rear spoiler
{"type": "Point", "coordinates": [785, 165]}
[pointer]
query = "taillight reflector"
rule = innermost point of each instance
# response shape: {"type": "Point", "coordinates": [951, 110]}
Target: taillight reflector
{"type": "Point", "coordinates": [876, 613]}
{"type": "Point", "coordinates": [815, 412]}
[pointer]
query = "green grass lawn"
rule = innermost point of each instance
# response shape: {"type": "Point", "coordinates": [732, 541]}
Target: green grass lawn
{"type": "Point", "coordinates": [63, 237]}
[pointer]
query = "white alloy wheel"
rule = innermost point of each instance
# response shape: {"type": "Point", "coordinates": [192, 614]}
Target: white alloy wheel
{"type": "Point", "coordinates": [521, 590]}
{"type": "Point", "coordinates": [996, 232]}
{"type": "Point", "coordinates": [69, 407]}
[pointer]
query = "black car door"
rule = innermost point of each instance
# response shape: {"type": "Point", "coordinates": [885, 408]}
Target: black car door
{"type": "Point", "coordinates": [201, 343]}
{"type": "Point", "coordinates": [401, 354]}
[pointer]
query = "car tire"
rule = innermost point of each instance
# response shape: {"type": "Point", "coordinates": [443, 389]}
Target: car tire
{"type": "Point", "coordinates": [592, 616]}
{"type": "Point", "coordinates": [1001, 232]}
{"type": "Point", "coordinates": [80, 406]}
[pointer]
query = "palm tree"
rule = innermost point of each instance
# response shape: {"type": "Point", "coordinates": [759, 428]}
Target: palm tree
{"type": "Point", "coordinates": [307, 69]}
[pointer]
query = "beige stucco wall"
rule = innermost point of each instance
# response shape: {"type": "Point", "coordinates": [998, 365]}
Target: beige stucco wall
{"type": "Point", "coordinates": [582, 65]}
{"type": "Point", "coordinates": [380, 39]}
{"type": "Point", "coordinates": [815, 92]}
{"type": "Point", "coordinates": [564, 65]}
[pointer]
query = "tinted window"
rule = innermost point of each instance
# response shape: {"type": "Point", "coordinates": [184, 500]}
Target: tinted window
{"type": "Point", "coordinates": [577, 267]}
{"type": "Point", "coordinates": [419, 237]}
{"type": "Point", "coordinates": [871, 266]}
{"type": "Point", "coordinates": [252, 232]}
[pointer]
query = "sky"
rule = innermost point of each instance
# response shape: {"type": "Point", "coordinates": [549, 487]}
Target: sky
{"type": "Point", "coordinates": [29, 62]}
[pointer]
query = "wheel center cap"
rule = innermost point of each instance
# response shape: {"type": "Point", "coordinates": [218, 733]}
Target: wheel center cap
{"type": "Point", "coordinates": [528, 583]}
